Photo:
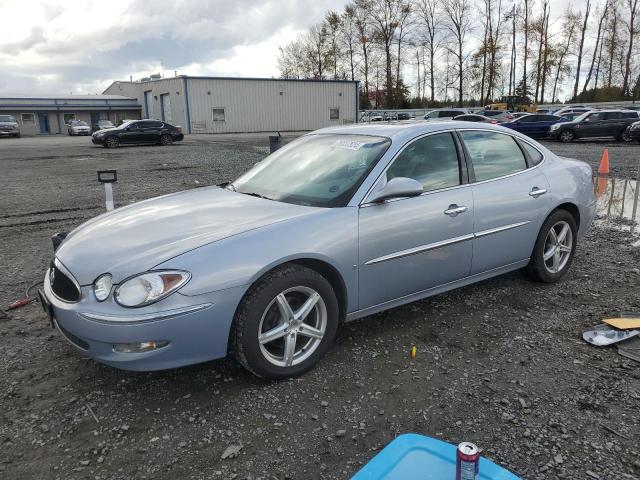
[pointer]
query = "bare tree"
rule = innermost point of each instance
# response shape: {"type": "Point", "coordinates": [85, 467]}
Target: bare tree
{"type": "Point", "coordinates": [526, 46]}
{"type": "Point", "coordinates": [332, 26]}
{"type": "Point", "coordinates": [349, 37]}
{"type": "Point", "coordinates": [459, 23]}
{"type": "Point", "coordinates": [598, 45]}
{"type": "Point", "coordinates": [428, 12]}
{"type": "Point", "coordinates": [364, 36]}
{"type": "Point", "coordinates": [612, 40]}
{"type": "Point", "coordinates": [581, 46]}
{"type": "Point", "coordinates": [385, 15]}
{"type": "Point", "coordinates": [569, 28]}
{"type": "Point", "coordinates": [632, 6]}
{"type": "Point", "coordinates": [512, 60]}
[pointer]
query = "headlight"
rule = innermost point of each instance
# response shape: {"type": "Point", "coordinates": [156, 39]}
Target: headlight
{"type": "Point", "coordinates": [635, 126]}
{"type": "Point", "coordinates": [149, 287]}
{"type": "Point", "coordinates": [555, 126]}
{"type": "Point", "coordinates": [102, 287]}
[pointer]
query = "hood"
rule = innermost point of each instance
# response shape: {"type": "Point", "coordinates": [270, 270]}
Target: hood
{"type": "Point", "coordinates": [134, 239]}
{"type": "Point", "coordinates": [106, 129]}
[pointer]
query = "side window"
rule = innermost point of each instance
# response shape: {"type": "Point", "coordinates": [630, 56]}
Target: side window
{"type": "Point", "coordinates": [612, 116]}
{"type": "Point", "coordinates": [528, 118]}
{"type": "Point", "coordinates": [493, 154]}
{"type": "Point", "coordinates": [534, 153]}
{"type": "Point", "coordinates": [431, 160]}
{"type": "Point", "coordinates": [629, 114]}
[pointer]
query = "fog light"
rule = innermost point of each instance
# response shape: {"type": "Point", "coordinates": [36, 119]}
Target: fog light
{"type": "Point", "coordinates": [139, 347]}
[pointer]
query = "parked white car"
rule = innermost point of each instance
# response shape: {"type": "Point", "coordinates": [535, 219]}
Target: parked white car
{"type": "Point", "coordinates": [78, 127]}
{"type": "Point", "coordinates": [9, 126]}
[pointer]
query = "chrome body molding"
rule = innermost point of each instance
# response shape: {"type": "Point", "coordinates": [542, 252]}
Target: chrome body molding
{"type": "Point", "coordinates": [504, 228]}
{"type": "Point", "coordinates": [102, 317]}
{"type": "Point", "coordinates": [420, 249]}
{"type": "Point", "coordinates": [444, 243]}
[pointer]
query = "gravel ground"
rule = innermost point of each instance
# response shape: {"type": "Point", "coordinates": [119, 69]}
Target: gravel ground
{"type": "Point", "coordinates": [500, 363]}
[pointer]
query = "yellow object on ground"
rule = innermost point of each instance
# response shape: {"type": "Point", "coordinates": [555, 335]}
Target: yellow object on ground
{"type": "Point", "coordinates": [623, 323]}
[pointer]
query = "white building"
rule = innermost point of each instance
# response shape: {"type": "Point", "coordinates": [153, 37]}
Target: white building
{"type": "Point", "coordinates": [226, 105]}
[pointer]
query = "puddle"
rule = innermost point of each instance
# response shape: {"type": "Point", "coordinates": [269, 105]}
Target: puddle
{"type": "Point", "coordinates": [618, 199]}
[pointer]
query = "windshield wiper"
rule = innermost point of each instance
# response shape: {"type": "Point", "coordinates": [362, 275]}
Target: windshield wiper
{"type": "Point", "coordinates": [254, 194]}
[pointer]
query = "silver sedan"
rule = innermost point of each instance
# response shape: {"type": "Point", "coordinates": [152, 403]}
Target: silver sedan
{"type": "Point", "coordinates": [339, 224]}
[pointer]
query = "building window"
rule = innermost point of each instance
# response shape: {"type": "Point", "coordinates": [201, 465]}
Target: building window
{"type": "Point", "coordinates": [218, 115]}
{"type": "Point", "coordinates": [28, 118]}
{"type": "Point", "coordinates": [334, 114]}
{"type": "Point", "coordinates": [68, 117]}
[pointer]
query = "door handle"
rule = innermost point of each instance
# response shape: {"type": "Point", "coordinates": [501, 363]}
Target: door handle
{"type": "Point", "coordinates": [454, 210]}
{"type": "Point", "coordinates": [536, 192]}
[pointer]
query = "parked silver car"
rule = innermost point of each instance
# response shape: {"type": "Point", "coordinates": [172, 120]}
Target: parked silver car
{"type": "Point", "coordinates": [9, 126]}
{"type": "Point", "coordinates": [78, 127]}
{"type": "Point", "coordinates": [339, 224]}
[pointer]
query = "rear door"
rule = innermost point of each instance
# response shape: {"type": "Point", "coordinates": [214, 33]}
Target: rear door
{"type": "Point", "coordinates": [409, 245]}
{"type": "Point", "coordinates": [510, 201]}
{"type": "Point", "coordinates": [591, 126]}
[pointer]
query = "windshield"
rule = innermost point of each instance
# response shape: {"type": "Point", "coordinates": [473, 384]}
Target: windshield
{"type": "Point", "coordinates": [316, 170]}
{"type": "Point", "coordinates": [105, 122]}
{"type": "Point", "coordinates": [581, 117]}
{"type": "Point", "coordinates": [7, 118]}
{"type": "Point", "coordinates": [126, 123]}
{"type": "Point", "coordinates": [79, 123]}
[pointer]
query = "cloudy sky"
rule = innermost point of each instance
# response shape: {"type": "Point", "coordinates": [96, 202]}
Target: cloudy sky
{"type": "Point", "coordinates": [59, 47]}
{"type": "Point", "coordinates": [82, 46]}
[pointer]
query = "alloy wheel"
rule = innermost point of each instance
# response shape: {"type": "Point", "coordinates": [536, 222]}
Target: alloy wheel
{"type": "Point", "coordinates": [292, 326]}
{"type": "Point", "coordinates": [112, 142]}
{"type": "Point", "coordinates": [557, 247]}
{"type": "Point", "coordinates": [566, 136]}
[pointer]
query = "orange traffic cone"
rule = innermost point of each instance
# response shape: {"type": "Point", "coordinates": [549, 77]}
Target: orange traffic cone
{"type": "Point", "coordinates": [603, 169]}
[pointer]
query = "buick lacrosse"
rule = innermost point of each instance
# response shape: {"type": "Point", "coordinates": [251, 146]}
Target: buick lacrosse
{"type": "Point", "coordinates": [341, 223]}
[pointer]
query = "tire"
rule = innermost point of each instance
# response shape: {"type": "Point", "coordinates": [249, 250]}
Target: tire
{"type": "Point", "coordinates": [544, 270]}
{"type": "Point", "coordinates": [261, 312]}
{"type": "Point", "coordinates": [625, 136]}
{"type": "Point", "coordinates": [567, 136]}
{"type": "Point", "coordinates": [166, 140]}
{"type": "Point", "coordinates": [111, 142]}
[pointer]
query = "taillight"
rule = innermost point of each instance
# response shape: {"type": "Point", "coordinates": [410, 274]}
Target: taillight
{"type": "Point", "coordinates": [493, 121]}
{"type": "Point", "coordinates": [509, 117]}
{"type": "Point", "coordinates": [179, 129]}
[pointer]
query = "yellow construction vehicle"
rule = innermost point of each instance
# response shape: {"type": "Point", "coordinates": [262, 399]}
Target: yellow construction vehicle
{"type": "Point", "coordinates": [513, 103]}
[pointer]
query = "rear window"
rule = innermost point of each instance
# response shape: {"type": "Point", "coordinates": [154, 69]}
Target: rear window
{"type": "Point", "coordinates": [629, 114]}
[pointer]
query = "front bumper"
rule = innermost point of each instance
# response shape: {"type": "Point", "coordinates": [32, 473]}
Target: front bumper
{"type": "Point", "coordinates": [196, 327]}
{"type": "Point", "coordinates": [635, 134]}
{"type": "Point", "coordinates": [97, 140]}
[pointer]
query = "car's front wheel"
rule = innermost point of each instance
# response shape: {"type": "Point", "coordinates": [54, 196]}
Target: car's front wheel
{"type": "Point", "coordinates": [554, 248]}
{"type": "Point", "coordinates": [111, 142]}
{"type": "Point", "coordinates": [567, 136]}
{"type": "Point", "coordinates": [285, 323]}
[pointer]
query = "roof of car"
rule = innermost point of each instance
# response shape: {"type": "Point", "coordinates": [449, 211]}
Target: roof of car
{"type": "Point", "coordinates": [406, 129]}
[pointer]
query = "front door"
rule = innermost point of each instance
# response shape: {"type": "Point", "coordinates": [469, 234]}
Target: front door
{"type": "Point", "coordinates": [409, 245]}
{"type": "Point", "coordinates": [510, 200]}
{"type": "Point", "coordinates": [43, 121]}
{"type": "Point", "coordinates": [591, 126]}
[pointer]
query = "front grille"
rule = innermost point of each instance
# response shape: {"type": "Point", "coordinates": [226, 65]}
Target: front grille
{"type": "Point", "coordinates": [63, 286]}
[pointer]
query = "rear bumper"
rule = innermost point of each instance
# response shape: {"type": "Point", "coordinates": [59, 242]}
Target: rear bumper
{"type": "Point", "coordinates": [193, 336]}
{"type": "Point", "coordinates": [179, 137]}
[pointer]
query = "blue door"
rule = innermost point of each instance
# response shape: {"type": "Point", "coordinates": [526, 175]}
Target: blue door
{"type": "Point", "coordinates": [43, 120]}
{"type": "Point", "coordinates": [95, 118]}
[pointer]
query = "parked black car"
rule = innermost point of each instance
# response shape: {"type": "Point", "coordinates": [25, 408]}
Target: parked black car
{"type": "Point", "coordinates": [403, 116]}
{"type": "Point", "coordinates": [140, 132]}
{"type": "Point", "coordinates": [596, 123]}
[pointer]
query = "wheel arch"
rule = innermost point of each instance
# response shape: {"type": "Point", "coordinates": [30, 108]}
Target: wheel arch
{"type": "Point", "coordinates": [319, 265]}
{"type": "Point", "coordinates": [570, 207]}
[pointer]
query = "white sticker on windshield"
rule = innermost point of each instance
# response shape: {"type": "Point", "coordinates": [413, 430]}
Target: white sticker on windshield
{"type": "Point", "coordinates": [349, 144]}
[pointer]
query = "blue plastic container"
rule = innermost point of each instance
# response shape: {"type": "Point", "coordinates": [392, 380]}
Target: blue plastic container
{"type": "Point", "coordinates": [416, 457]}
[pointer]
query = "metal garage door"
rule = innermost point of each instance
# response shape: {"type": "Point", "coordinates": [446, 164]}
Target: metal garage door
{"type": "Point", "coordinates": [148, 104]}
{"type": "Point", "coordinates": [165, 107]}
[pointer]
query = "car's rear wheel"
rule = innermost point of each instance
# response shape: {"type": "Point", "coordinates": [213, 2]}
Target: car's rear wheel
{"type": "Point", "coordinates": [166, 140]}
{"type": "Point", "coordinates": [567, 136]}
{"type": "Point", "coordinates": [111, 142]}
{"type": "Point", "coordinates": [554, 248]}
{"type": "Point", "coordinates": [285, 323]}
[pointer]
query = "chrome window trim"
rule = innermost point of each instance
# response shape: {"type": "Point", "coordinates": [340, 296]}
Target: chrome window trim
{"type": "Point", "coordinates": [364, 203]}
{"type": "Point", "coordinates": [516, 138]}
{"type": "Point", "coordinates": [444, 243]}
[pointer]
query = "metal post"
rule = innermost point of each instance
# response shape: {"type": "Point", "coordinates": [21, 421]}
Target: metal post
{"type": "Point", "coordinates": [635, 201]}
{"type": "Point", "coordinates": [107, 177]}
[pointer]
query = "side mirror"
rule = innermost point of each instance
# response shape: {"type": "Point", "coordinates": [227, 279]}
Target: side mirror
{"type": "Point", "coordinates": [396, 188]}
